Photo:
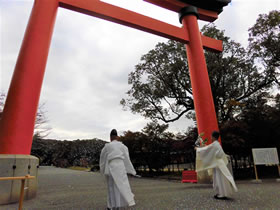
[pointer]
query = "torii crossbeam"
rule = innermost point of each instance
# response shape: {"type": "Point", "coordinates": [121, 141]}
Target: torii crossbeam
{"type": "Point", "coordinates": [19, 114]}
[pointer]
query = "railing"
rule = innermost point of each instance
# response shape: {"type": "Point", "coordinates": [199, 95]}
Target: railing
{"type": "Point", "coordinates": [22, 178]}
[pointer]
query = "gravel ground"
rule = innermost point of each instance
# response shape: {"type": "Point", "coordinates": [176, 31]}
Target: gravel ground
{"type": "Point", "coordinates": [69, 189]}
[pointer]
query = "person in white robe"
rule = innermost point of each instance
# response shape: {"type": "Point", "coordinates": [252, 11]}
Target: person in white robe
{"type": "Point", "coordinates": [115, 164]}
{"type": "Point", "coordinates": [213, 159]}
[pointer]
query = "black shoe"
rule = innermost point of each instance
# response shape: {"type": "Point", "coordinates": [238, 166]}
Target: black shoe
{"type": "Point", "coordinates": [220, 198]}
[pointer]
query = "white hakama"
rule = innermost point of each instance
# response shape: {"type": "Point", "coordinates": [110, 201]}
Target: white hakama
{"type": "Point", "coordinates": [221, 185]}
{"type": "Point", "coordinates": [115, 164]}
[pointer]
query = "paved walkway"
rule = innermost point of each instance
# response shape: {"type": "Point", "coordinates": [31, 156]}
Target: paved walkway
{"type": "Point", "coordinates": [67, 189]}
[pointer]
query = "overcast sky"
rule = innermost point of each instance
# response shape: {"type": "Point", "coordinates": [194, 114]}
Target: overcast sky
{"type": "Point", "coordinates": [90, 59]}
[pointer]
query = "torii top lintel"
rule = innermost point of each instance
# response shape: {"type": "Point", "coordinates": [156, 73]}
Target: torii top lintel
{"type": "Point", "coordinates": [208, 10]}
{"type": "Point", "coordinates": [135, 20]}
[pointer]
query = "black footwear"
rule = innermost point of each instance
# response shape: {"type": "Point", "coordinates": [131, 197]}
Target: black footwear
{"type": "Point", "coordinates": [220, 198]}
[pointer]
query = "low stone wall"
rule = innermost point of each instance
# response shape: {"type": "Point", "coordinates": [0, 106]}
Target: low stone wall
{"type": "Point", "coordinates": [14, 166]}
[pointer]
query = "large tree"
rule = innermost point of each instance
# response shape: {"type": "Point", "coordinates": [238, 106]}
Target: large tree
{"type": "Point", "coordinates": [264, 42]}
{"type": "Point", "coordinates": [160, 84]}
{"type": "Point", "coordinates": [161, 89]}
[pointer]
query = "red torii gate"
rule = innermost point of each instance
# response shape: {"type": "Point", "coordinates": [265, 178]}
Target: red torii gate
{"type": "Point", "coordinates": [19, 114]}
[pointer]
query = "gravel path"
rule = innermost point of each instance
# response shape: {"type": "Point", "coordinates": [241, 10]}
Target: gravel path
{"type": "Point", "coordinates": [70, 189]}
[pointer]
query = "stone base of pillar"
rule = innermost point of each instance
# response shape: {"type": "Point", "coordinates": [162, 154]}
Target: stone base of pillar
{"type": "Point", "coordinates": [14, 166]}
{"type": "Point", "coordinates": [204, 178]}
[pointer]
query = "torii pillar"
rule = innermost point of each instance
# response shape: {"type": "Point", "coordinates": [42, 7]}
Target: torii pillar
{"type": "Point", "coordinates": [19, 114]}
{"type": "Point", "coordinates": [202, 94]}
{"type": "Point", "coordinates": [201, 88]}
{"type": "Point", "coordinates": [189, 12]}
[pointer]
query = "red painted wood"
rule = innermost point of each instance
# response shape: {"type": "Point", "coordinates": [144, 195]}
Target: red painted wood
{"type": "Point", "coordinates": [202, 94]}
{"type": "Point", "coordinates": [17, 124]}
{"type": "Point", "coordinates": [135, 20]}
{"type": "Point", "coordinates": [18, 119]}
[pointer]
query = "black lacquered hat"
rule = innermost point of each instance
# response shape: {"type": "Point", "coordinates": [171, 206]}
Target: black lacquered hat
{"type": "Point", "coordinates": [114, 132]}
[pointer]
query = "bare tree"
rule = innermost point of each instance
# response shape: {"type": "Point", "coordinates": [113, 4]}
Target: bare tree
{"type": "Point", "coordinates": [42, 128]}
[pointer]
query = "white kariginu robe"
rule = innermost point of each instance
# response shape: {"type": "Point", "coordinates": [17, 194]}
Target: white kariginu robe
{"type": "Point", "coordinates": [213, 157]}
{"type": "Point", "coordinates": [115, 164]}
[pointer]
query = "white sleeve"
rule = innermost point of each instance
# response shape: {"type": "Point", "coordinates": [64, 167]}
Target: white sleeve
{"type": "Point", "coordinates": [128, 165]}
{"type": "Point", "coordinates": [102, 160]}
{"type": "Point", "coordinates": [205, 157]}
{"type": "Point", "coordinates": [205, 148]}
{"type": "Point", "coordinates": [220, 152]}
